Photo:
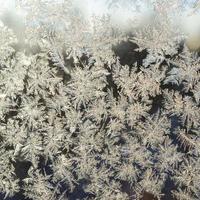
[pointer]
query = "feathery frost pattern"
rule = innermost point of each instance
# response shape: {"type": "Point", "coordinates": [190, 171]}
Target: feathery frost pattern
{"type": "Point", "coordinates": [96, 104]}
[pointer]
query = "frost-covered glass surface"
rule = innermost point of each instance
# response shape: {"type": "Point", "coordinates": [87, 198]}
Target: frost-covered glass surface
{"type": "Point", "coordinates": [99, 99]}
